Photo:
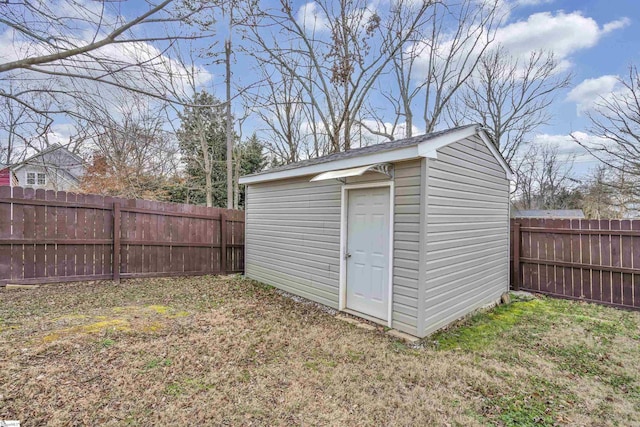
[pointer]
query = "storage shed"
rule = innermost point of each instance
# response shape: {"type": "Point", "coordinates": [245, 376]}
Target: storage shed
{"type": "Point", "coordinates": [412, 234]}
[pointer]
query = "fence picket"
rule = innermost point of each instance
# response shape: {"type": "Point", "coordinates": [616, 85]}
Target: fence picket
{"type": "Point", "coordinates": [616, 261]}
{"type": "Point", "coordinates": [5, 232]}
{"type": "Point", "coordinates": [40, 259]}
{"type": "Point", "coordinates": [625, 259]}
{"type": "Point", "coordinates": [29, 230]}
{"type": "Point", "coordinates": [635, 263]}
{"type": "Point", "coordinates": [585, 258]}
{"type": "Point", "coordinates": [596, 260]}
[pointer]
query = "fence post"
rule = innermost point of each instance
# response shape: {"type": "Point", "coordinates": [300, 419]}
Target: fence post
{"type": "Point", "coordinates": [223, 242]}
{"type": "Point", "coordinates": [516, 256]}
{"type": "Point", "coordinates": [116, 242]}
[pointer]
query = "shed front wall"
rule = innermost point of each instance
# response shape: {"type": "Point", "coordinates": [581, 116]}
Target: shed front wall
{"type": "Point", "coordinates": [466, 233]}
{"type": "Point", "coordinates": [293, 239]}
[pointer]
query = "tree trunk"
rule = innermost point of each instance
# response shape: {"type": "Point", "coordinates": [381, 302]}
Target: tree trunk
{"type": "Point", "coordinates": [208, 188]}
{"type": "Point", "coordinates": [236, 186]}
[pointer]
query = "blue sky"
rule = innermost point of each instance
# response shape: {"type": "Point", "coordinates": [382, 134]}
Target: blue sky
{"type": "Point", "coordinates": [605, 54]}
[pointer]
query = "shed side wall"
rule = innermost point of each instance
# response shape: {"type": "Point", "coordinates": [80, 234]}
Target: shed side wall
{"type": "Point", "coordinates": [293, 237]}
{"type": "Point", "coordinates": [467, 225]}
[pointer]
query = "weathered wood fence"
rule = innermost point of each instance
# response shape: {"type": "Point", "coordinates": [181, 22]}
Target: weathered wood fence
{"type": "Point", "coordinates": [48, 236]}
{"type": "Point", "coordinates": [592, 260]}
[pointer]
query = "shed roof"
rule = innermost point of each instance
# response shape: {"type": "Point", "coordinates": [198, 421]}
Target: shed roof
{"type": "Point", "coordinates": [417, 146]}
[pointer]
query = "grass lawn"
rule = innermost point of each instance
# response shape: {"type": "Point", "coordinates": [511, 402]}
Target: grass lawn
{"type": "Point", "coordinates": [209, 350]}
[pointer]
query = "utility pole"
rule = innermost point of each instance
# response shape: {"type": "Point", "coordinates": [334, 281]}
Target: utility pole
{"type": "Point", "coordinates": [227, 53]}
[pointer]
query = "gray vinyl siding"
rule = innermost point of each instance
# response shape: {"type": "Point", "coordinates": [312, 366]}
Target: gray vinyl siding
{"type": "Point", "coordinates": [406, 247]}
{"type": "Point", "coordinates": [293, 237]}
{"type": "Point", "coordinates": [466, 234]}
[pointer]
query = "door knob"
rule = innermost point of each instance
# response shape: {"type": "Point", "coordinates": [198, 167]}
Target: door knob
{"type": "Point", "coordinates": [347, 255]}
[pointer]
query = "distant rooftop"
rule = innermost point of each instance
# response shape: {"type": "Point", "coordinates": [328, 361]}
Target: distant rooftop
{"type": "Point", "coordinates": [548, 213]}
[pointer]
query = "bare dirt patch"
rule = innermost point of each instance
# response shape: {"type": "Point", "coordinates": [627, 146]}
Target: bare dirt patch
{"type": "Point", "coordinates": [213, 350]}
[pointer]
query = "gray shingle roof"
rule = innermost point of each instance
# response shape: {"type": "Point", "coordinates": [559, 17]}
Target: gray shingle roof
{"type": "Point", "coordinates": [386, 146]}
{"type": "Point", "coordinates": [548, 213]}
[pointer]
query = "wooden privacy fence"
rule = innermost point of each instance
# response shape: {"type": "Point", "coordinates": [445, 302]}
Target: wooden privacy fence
{"type": "Point", "coordinates": [593, 260]}
{"type": "Point", "coordinates": [48, 236]}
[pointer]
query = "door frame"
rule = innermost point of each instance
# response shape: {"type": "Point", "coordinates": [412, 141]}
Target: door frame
{"type": "Point", "coordinates": [344, 207]}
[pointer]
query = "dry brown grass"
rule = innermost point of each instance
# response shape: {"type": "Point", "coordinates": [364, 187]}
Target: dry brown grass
{"type": "Point", "coordinates": [202, 351]}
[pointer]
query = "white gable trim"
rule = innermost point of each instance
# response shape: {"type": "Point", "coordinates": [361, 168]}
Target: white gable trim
{"type": "Point", "coordinates": [485, 138]}
{"type": "Point", "coordinates": [428, 148]}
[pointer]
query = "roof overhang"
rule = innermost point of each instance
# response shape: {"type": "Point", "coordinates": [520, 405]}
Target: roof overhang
{"type": "Point", "coordinates": [382, 168]}
{"type": "Point", "coordinates": [428, 149]}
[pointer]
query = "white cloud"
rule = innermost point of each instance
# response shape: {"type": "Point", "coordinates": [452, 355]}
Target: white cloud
{"type": "Point", "coordinates": [532, 2]}
{"type": "Point", "coordinates": [311, 18]}
{"type": "Point", "coordinates": [60, 133]}
{"type": "Point", "coordinates": [567, 147]}
{"type": "Point", "coordinates": [616, 25]}
{"type": "Point", "coordinates": [561, 33]}
{"type": "Point", "coordinates": [590, 91]}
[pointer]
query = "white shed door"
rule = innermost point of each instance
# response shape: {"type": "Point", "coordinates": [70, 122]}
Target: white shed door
{"type": "Point", "coordinates": [368, 251]}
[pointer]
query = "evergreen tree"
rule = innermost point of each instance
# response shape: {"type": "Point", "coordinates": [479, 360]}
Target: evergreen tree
{"type": "Point", "coordinates": [202, 140]}
{"type": "Point", "coordinates": [251, 159]}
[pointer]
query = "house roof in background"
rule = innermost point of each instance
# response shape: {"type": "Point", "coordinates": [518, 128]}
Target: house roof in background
{"type": "Point", "coordinates": [54, 147]}
{"type": "Point", "coordinates": [51, 148]}
{"type": "Point", "coordinates": [548, 213]}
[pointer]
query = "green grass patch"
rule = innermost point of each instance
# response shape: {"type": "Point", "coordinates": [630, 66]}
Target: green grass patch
{"type": "Point", "coordinates": [536, 403]}
{"type": "Point", "coordinates": [579, 359]}
{"type": "Point", "coordinates": [154, 363]}
{"type": "Point", "coordinates": [174, 389]}
{"type": "Point", "coordinates": [107, 342]}
{"type": "Point", "coordinates": [482, 329]}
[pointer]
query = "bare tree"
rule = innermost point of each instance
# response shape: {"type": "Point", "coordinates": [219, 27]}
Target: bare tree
{"type": "Point", "coordinates": [435, 63]}
{"type": "Point", "coordinates": [24, 133]}
{"type": "Point", "coordinates": [598, 195]}
{"type": "Point", "coordinates": [615, 132]}
{"type": "Point", "coordinates": [132, 153]}
{"type": "Point", "coordinates": [287, 119]}
{"type": "Point", "coordinates": [545, 180]}
{"type": "Point", "coordinates": [14, 118]}
{"type": "Point", "coordinates": [279, 105]}
{"type": "Point", "coordinates": [62, 51]}
{"type": "Point", "coordinates": [336, 54]}
{"type": "Point", "coordinates": [511, 97]}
